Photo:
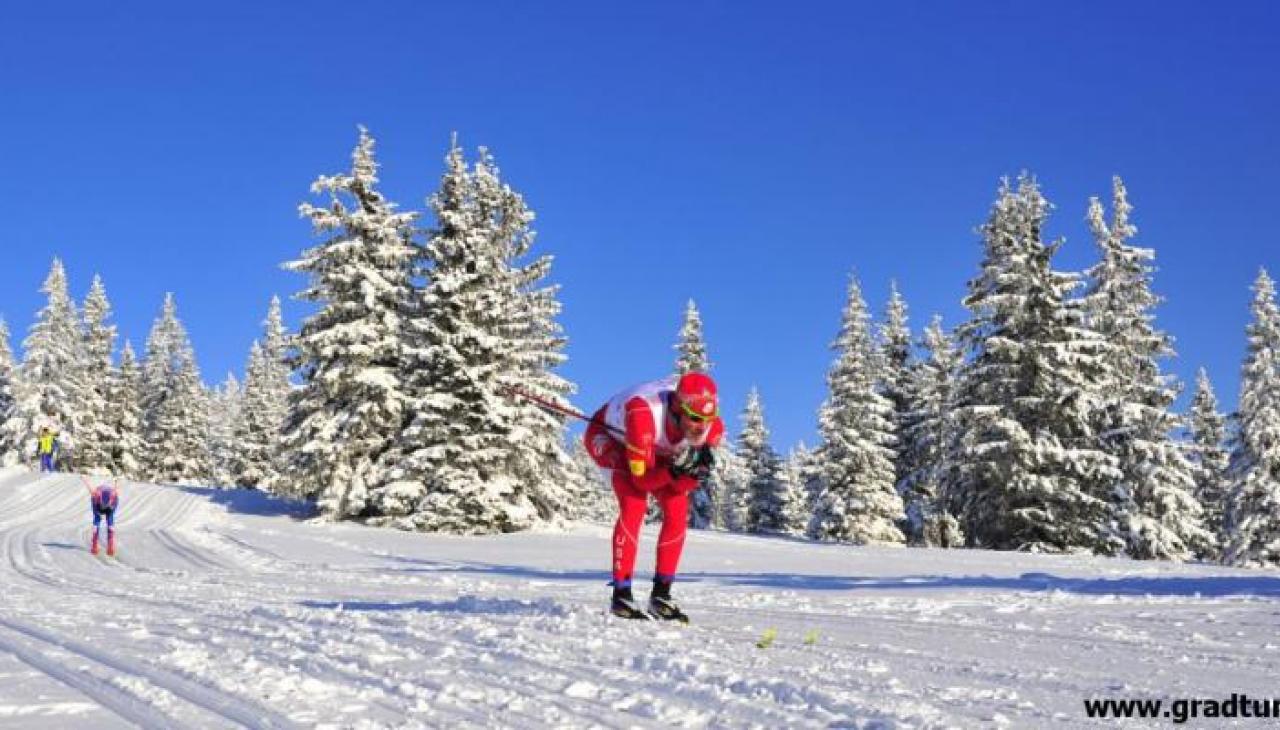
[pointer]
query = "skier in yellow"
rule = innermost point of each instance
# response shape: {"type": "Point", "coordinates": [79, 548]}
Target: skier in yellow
{"type": "Point", "coordinates": [47, 448]}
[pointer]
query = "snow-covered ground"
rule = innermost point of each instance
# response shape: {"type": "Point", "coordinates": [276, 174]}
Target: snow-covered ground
{"type": "Point", "coordinates": [228, 609]}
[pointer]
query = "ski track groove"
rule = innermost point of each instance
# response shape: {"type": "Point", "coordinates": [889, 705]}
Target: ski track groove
{"type": "Point", "coordinates": [125, 705]}
{"type": "Point", "coordinates": [225, 706]}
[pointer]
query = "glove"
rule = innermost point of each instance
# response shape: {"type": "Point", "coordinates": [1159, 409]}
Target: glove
{"type": "Point", "coordinates": [695, 462]}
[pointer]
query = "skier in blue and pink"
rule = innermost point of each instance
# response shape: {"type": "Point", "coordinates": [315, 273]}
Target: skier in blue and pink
{"type": "Point", "coordinates": [655, 439]}
{"type": "Point", "coordinates": [103, 499]}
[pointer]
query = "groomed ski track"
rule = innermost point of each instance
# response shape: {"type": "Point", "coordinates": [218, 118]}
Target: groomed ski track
{"type": "Point", "coordinates": [229, 609]}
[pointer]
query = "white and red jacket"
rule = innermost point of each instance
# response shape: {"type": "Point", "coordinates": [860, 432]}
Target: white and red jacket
{"type": "Point", "coordinates": [636, 431]}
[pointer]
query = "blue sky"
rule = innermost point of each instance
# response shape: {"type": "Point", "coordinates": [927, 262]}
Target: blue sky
{"type": "Point", "coordinates": [748, 155]}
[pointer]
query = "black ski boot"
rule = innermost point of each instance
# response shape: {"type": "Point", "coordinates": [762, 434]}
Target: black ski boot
{"type": "Point", "coordinates": [661, 606]}
{"type": "Point", "coordinates": [624, 604]}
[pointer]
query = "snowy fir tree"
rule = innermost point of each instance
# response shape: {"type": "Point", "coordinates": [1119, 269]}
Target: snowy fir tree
{"type": "Point", "coordinates": [858, 503]}
{"type": "Point", "coordinates": [477, 459]}
{"type": "Point", "coordinates": [1153, 505]}
{"type": "Point", "coordinates": [535, 344]}
{"type": "Point", "coordinates": [225, 403]}
{"type": "Point", "coordinates": [96, 435]}
{"type": "Point", "coordinates": [1253, 516]}
{"type": "Point", "coordinates": [730, 486]}
{"type": "Point", "coordinates": [53, 389]}
{"type": "Point", "coordinates": [1208, 430]}
{"type": "Point", "coordinates": [348, 354]}
{"type": "Point", "coordinates": [810, 471]}
{"type": "Point", "coordinates": [125, 399]}
{"type": "Point", "coordinates": [175, 405]}
{"type": "Point", "coordinates": [766, 506]}
{"type": "Point", "coordinates": [691, 348]}
{"type": "Point", "coordinates": [10, 448]}
{"type": "Point", "coordinates": [596, 502]}
{"type": "Point", "coordinates": [924, 435]}
{"type": "Point", "coordinates": [1022, 469]}
{"type": "Point", "coordinates": [706, 506]}
{"type": "Point", "coordinates": [793, 478]}
{"type": "Point", "coordinates": [260, 421]}
{"type": "Point", "coordinates": [895, 366]}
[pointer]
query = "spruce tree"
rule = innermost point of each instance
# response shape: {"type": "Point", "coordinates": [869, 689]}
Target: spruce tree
{"type": "Point", "coordinates": [925, 433]}
{"type": "Point", "coordinates": [1253, 512]}
{"type": "Point", "coordinates": [793, 481]}
{"type": "Point", "coordinates": [97, 437]}
{"type": "Point", "coordinates": [766, 504]}
{"type": "Point", "coordinates": [175, 403]}
{"type": "Point", "coordinates": [731, 492]}
{"type": "Point", "coordinates": [1023, 470]}
{"type": "Point", "coordinates": [858, 503]}
{"type": "Point", "coordinates": [1153, 504]}
{"type": "Point", "coordinates": [127, 446]}
{"type": "Point", "coordinates": [1210, 458]}
{"type": "Point", "coordinates": [53, 371]}
{"type": "Point", "coordinates": [225, 403]}
{"type": "Point", "coordinates": [691, 348]}
{"type": "Point", "coordinates": [535, 341]}
{"type": "Point", "coordinates": [349, 353]}
{"type": "Point", "coordinates": [10, 447]}
{"type": "Point", "coordinates": [476, 459]}
{"type": "Point", "coordinates": [895, 369]}
{"type": "Point", "coordinates": [260, 421]}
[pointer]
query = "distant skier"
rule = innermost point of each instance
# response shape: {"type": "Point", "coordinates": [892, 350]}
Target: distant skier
{"type": "Point", "coordinates": [654, 438]}
{"type": "Point", "coordinates": [104, 499]}
{"type": "Point", "coordinates": [47, 448]}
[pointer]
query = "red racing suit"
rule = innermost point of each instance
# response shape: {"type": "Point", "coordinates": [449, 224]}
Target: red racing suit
{"type": "Point", "coordinates": [634, 437]}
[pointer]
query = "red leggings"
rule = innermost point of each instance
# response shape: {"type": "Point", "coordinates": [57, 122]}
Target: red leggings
{"type": "Point", "coordinates": [632, 505]}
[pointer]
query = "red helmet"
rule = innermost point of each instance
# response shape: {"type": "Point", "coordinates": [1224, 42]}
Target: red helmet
{"type": "Point", "coordinates": [696, 393]}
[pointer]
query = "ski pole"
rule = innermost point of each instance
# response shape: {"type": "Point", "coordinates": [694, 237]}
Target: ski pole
{"type": "Point", "coordinates": [557, 408]}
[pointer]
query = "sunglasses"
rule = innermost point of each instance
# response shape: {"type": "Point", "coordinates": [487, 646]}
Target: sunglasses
{"type": "Point", "coordinates": [696, 417]}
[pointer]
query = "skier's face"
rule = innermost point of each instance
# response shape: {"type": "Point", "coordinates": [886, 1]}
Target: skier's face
{"type": "Point", "coordinates": [696, 428]}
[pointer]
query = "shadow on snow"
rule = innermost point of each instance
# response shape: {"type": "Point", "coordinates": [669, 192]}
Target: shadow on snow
{"type": "Point", "coordinates": [1204, 587]}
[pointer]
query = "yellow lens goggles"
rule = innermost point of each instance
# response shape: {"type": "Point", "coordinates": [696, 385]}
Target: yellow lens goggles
{"type": "Point", "coordinates": [698, 417]}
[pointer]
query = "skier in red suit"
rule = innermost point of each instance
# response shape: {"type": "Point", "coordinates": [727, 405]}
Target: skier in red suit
{"type": "Point", "coordinates": [655, 439]}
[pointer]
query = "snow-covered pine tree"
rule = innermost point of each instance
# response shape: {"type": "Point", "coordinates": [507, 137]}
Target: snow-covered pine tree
{"type": "Point", "coordinates": [475, 460]}
{"type": "Point", "coordinates": [706, 506]}
{"type": "Point", "coordinates": [794, 477]}
{"type": "Point", "coordinates": [127, 450]}
{"type": "Point", "coordinates": [175, 405]}
{"type": "Point", "coordinates": [351, 404]}
{"type": "Point", "coordinates": [537, 458]}
{"type": "Point", "coordinates": [596, 501]}
{"type": "Point", "coordinates": [810, 471]}
{"type": "Point", "coordinates": [895, 368]}
{"type": "Point", "coordinates": [728, 490]}
{"type": "Point", "coordinates": [924, 436]}
{"type": "Point", "coordinates": [10, 446]}
{"type": "Point", "coordinates": [1253, 511]}
{"type": "Point", "coordinates": [858, 503]}
{"type": "Point", "coordinates": [1208, 429]}
{"type": "Point", "coordinates": [53, 371]}
{"type": "Point", "coordinates": [691, 348]}
{"type": "Point", "coordinates": [766, 505]}
{"type": "Point", "coordinates": [1154, 504]}
{"type": "Point", "coordinates": [1023, 469]}
{"type": "Point", "coordinates": [265, 404]}
{"type": "Point", "coordinates": [225, 404]}
{"type": "Point", "coordinates": [96, 434]}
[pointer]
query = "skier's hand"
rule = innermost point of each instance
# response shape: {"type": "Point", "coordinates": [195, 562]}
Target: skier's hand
{"type": "Point", "coordinates": [694, 462]}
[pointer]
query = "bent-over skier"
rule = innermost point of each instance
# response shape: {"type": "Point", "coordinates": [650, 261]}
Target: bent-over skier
{"type": "Point", "coordinates": [654, 438]}
{"type": "Point", "coordinates": [104, 499]}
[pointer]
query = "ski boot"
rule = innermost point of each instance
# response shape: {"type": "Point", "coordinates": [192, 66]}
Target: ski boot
{"type": "Point", "coordinates": [624, 604]}
{"type": "Point", "coordinates": [93, 544]}
{"type": "Point", "coordinates": [661, 606]}
{"type": "Point", "coordinates": [111, 542]}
